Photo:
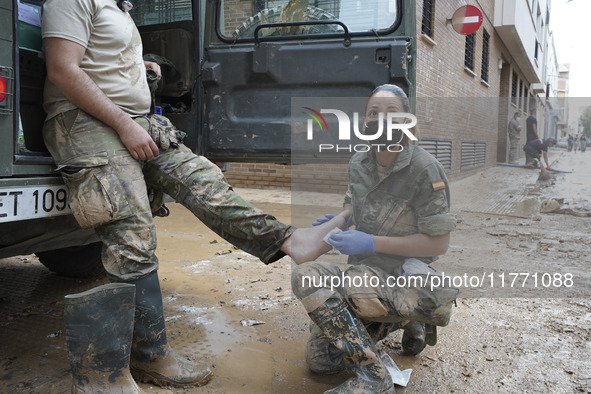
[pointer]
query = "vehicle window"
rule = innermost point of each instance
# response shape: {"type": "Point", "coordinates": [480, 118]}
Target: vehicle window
{"type": "Point", "coordinates": [238, 19]}
{"type": "Point", "coordinates": [154, 12]}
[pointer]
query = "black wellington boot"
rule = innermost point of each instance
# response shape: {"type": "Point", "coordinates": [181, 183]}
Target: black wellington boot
{"type": "Point", "coordinates": [99, 327]}
{"type": "Point", "coordinates": [152, 358]}
{"type": "Point", "coordinates": [413, 339]}
{"type": "Point", "coordinates": [348, 334]}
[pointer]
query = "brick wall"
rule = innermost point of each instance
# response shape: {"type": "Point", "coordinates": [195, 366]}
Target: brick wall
{"type": "Point", "coordinates": [321, 177]}
{"type": "Point", "coordinates": [236, 12]}
{"type": "Point", "coordinates": [453, 102]}
{"type": "Point", "coordinates": [484, 108]}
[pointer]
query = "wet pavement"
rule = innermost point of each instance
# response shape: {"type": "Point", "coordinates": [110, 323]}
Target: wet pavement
{"type": "Point", "coordinates": [229, 310]}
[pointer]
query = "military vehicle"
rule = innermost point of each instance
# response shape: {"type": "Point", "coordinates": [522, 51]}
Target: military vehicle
{"type": "Point", "coordinates": [230, 69]}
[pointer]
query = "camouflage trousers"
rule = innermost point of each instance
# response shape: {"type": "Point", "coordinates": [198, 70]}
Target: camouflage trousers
{"type": "Point", "coordinates": [381, 304]}
{"type": "Point", "coordinates": [513, 149]}
{"type": "Point", "coordinates": [374, 295]}
{"type": "Point", "coordinates": [108, 192]}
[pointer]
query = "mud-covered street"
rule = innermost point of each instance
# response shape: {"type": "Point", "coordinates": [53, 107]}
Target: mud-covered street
{"type": "Point", "coordinates": [508, 333]}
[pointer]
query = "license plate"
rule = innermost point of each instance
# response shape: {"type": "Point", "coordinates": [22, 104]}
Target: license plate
{"type": "Point", "coordinates": [32, 202]}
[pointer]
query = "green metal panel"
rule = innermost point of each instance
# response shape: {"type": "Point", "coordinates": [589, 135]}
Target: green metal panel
{"type": "Point", "coordinates": [6, 32]}
{"type": "Point", "coordinates": [37, 181]}
{"type": "Point", "coordinates": [9, 72]}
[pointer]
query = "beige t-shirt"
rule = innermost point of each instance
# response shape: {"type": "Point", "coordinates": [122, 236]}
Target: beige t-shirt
{"type": "Point", "coordinates": [113, 57]}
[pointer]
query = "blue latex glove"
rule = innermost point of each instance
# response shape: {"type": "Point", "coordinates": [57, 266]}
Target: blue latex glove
{"type": "Point", "coordinates": [352, 242]}
{"type": "Point", "coordinates": [325, 219]}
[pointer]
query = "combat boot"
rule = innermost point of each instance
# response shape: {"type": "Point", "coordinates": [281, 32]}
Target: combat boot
{"type": "Point", "coordinates": [348, 334]}
{"type": "Point", "coordinates": [413, 338]}
{"type": "Point", "coordinates": [99, 327]}
{"type": "Point", "coordinates": [152, 358]}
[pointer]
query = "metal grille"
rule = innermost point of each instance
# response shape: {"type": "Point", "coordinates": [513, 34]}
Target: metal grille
{"type": "Point", "coordinates": [154, 12]}
{"type": "Point", "coordinates": [514, 88]}
{"type": "Point", "coordinates": [6, 105]}
{"type": "Point", "coordinates": [520, 95]}
{"type": "Point", "coordinates": [525, 98]}
{"type": "Point", "coordinates": [440, 148]}
{"type": "Point", "coordinates": [484, 67]}
{"type": "Point", "coordinates": [473, 154]}
{"type": "Point", "coordinates": [428, 12]}
{"type": "Point", "coordinates": [469, 54]}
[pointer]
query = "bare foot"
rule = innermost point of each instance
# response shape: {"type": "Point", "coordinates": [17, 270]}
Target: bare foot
{"type": "Point", "coordinates": [307, 244]}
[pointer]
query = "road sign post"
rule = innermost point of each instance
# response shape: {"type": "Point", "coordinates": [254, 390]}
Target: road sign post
{"type": "Point", "coordinates": [466, 19]}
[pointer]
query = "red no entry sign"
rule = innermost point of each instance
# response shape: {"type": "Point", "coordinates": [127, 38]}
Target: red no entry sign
{"type": "Point", "coordinates": [467, 19]}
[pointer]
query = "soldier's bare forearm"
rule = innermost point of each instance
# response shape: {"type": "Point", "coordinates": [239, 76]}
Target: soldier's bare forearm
{"type": "Point", "coordinates": [412, 245]}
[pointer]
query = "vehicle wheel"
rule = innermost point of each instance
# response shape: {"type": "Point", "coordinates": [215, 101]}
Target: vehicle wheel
{"type": "Point", "coordinates": [272, 15]}
{"type": "Point", "coordinates": [75, 262]}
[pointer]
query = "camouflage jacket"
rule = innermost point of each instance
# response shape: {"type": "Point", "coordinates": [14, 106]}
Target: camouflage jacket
{"type": "Point", "coordinates": [412, 197]}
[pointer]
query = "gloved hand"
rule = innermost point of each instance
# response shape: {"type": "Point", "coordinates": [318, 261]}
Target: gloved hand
{"type": "Point", "coordinates": [352, 242]}
{"type": "Point", "coordinates": [324, 219]}
{"type": "Point", "coordinates": [164, 134]}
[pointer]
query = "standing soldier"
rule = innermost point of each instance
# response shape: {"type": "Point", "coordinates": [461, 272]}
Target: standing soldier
{"type": "Point", "coordinates": [514, 130]}
{"type": "Point", "coordinates": [532, 126]}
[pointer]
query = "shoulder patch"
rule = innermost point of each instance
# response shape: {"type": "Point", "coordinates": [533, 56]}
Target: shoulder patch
{"type": "Point", "coordinates": [438, 185]}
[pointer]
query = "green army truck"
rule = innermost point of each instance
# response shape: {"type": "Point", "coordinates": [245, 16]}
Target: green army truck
{"type": "Point", "coordinates": [230, 70]}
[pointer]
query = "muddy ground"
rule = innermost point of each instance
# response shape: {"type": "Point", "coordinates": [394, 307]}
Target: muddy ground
{"type": "Point", "coordinates": [227, 309]}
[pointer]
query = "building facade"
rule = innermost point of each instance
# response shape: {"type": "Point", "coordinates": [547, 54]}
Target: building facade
{"type": "Point", "coordinates": [468, 87]}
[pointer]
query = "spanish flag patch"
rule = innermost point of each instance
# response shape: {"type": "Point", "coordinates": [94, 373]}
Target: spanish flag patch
{"type": "Point", "coordinates": [438, 185]}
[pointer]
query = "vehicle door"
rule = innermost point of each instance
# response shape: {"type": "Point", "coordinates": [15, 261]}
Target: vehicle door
{"type": "Point", "coordinates": [259, 55]}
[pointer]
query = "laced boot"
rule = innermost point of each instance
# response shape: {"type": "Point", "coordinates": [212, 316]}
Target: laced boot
{"type": "Point", "coordinates": [348, 334]}
{"type": "Point", "coordinates": [99, 327]}
{"type": "Point", "coordinates": [152, 358]}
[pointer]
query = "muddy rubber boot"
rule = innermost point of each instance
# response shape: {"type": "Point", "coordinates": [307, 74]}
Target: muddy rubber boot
{"type": "Point", "coordinates": [99, 327]}
{"type": "Point", "coordinates": [152, 358]}
{"type": "Point", "coordinates": [413, 338]}
{"type": "Point", "coordinates": [321, 355]}
{"type": "Point", "coordinates": [348, 334]}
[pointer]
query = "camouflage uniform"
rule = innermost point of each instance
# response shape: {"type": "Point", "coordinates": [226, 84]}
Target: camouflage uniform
{"type": "Point", "coordinates": [412, 197]}
{"type": "Point", "coordinates": [513, 131]}
{"type": "Point", "coordinates": [107, 189]}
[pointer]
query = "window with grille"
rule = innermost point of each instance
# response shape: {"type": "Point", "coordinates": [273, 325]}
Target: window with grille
{"type": "Point", "coordinates": [428, 13]}
{"type": "Point", "coordinates": [330, 6]}
{"type": "Point", "coordinates": [484, 66]}
{"type": "Point", "coordinates": [536, 49]}
{"type": "Point", "coordinates": [469, 54]}
{"type": "Point", "coordinates": [238, 19]}
{"type": "Point", "coordinates": [520, 93]}
{"type": "Point", "coordinates": [514, 88]}
{"type": "Point", "coordinates": [525, 98]}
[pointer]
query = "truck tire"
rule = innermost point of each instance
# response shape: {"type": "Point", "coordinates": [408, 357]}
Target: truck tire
{"type": "Point", "coordinates": [75, 262]}
{"type": "Point", "coordinates": [272, 15]}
